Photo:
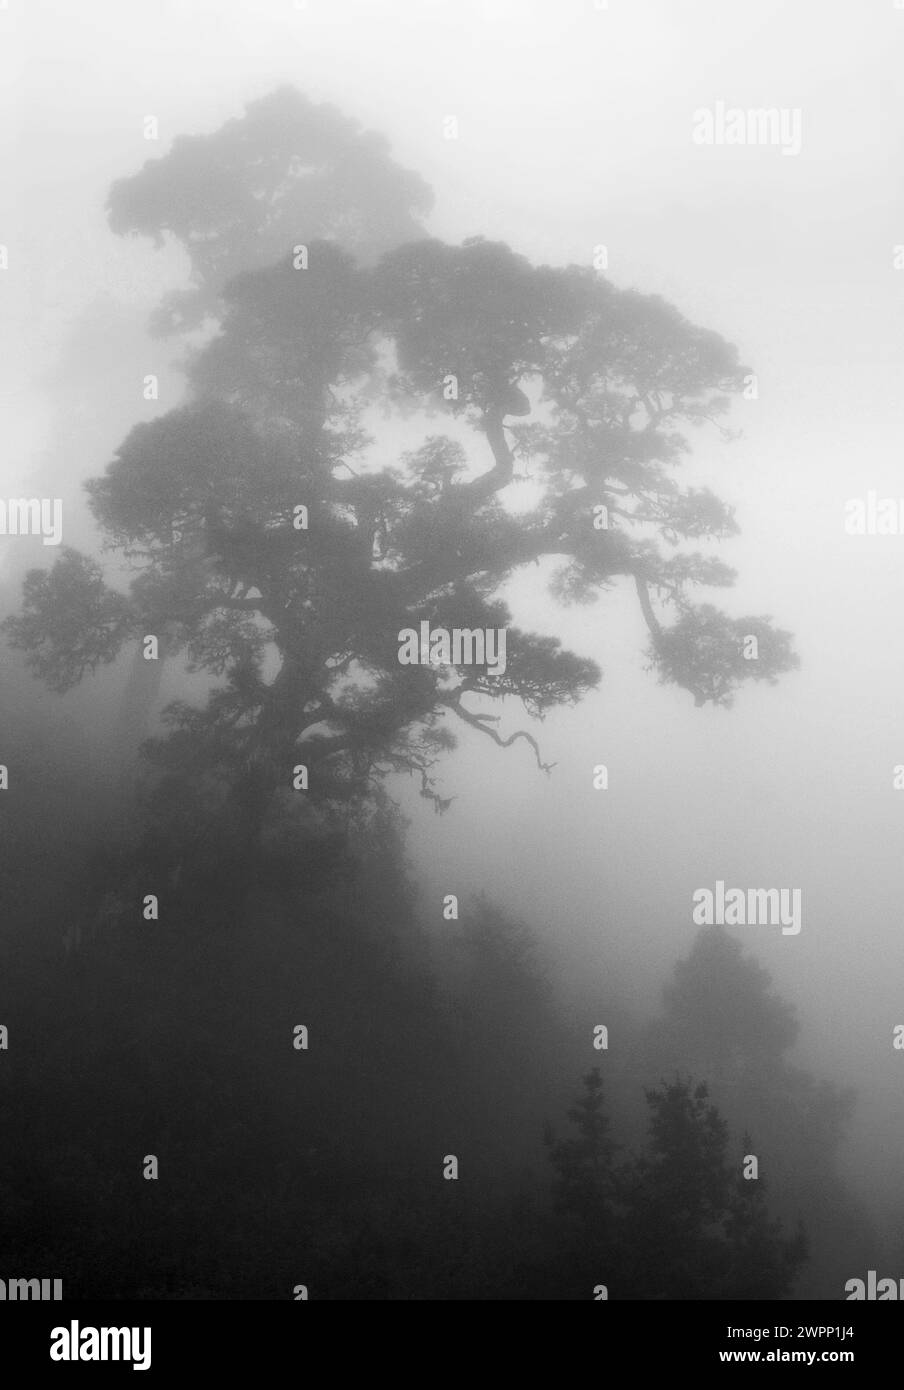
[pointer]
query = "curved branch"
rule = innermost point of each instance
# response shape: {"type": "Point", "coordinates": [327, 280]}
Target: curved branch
{"type": "Point", "coordinates": [479, 721]}
{"type": "Point", "coordinates": [501, 474]}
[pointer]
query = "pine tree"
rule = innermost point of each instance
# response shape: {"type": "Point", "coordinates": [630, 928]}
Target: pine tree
{"type": "Point", "coordinates": [584, 1166]}
{"type": "Point", "coordinates": [678, 1221]}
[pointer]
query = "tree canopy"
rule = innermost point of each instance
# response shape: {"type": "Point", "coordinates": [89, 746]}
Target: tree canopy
{"type": "Point", "coordinates": [287, 171]}
{"type": "Point", "coordinates": [282, 539]}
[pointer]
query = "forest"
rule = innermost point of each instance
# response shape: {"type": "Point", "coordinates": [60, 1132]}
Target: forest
{"type": "Point", "coordinates": [247, 1055]}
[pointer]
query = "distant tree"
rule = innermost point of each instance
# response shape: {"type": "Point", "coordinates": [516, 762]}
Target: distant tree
{"type": "Point", "coordinates": [502, 1020]}
{"type": "Point", "coordinates": [694, 1226]}
{"type": "Point", "coordinates": [722, 1019]}
{"type": "Point", "coordinates": [497, 963]}
{"type": "Point", "coordinates": [721, 1014]}
{"type": "Point", "coordinates": [762, 1263]}
{"type": "Point", "coordinates": [584, 1186]}
{"type": "Point", "coordinates": [678, 1221]}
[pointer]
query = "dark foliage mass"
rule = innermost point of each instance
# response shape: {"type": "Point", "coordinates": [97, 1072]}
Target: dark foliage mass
{"type": "Point", "coordinates": [324, 1165]}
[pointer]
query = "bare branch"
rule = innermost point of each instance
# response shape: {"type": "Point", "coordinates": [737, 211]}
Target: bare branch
{"type": "Point", "coordinates": [478, 721]}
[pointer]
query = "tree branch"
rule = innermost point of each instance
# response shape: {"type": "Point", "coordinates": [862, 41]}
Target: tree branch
{"type": "Point", "coordinates": [479, 721]}
{"type": "Point", "coordinates": [501, 474]}
{"type": "Point", "coordinates": [643, 593]}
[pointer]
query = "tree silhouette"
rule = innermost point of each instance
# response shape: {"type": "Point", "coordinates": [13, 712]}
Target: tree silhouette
{"type": "Point", "coordinates": [679, 1220]}
{"type": "Point", "coordinates": [721, 1018]}
{"type": "Point", "coordinates": [281, 553]}
{"type": "Point", "coordinates": [585, 1185]}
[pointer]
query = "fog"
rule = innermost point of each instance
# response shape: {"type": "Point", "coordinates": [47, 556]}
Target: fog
{"type": "Point", "coordinates": [574, 130]}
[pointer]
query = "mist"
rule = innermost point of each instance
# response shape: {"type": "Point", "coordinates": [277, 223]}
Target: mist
{"type": "Point", "coordinates": [451, 925]}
